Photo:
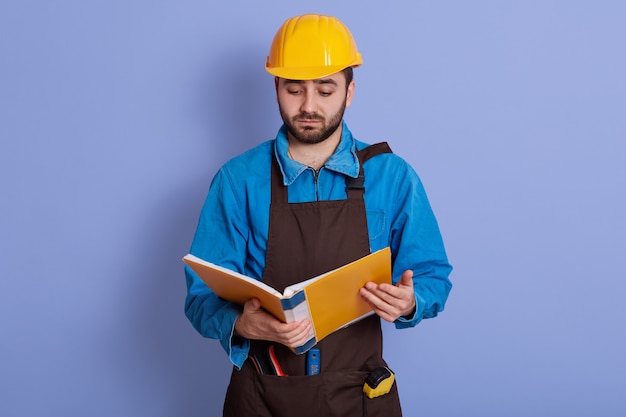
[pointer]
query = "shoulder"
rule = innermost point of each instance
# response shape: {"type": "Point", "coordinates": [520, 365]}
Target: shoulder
{"type": "Point", "coordinates": [388, 160]}
{"type": "Point", "coordinates": [245, 172]}
{"type": "Point", "coordinates": [252, 163]}
{"type": "Point", "coordinates": [262, 152]}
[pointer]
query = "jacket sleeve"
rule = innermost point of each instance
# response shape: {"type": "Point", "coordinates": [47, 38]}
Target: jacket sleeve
{"type": "Point", "coordinates": [417, 245]}
{"type": "Point", "coordinates": [220, 238]}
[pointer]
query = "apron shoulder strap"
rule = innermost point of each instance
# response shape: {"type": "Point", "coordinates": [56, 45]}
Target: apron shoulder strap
{"type": "Point", "coordinates": [355, 186]}
{"type": "Point", "coordinates": [373, 150]}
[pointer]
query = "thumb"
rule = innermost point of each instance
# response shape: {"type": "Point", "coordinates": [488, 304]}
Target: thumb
{"type": "Point", "coordinates": [406, 280]}
{"type": "Point", "coordinates": [254, 303]}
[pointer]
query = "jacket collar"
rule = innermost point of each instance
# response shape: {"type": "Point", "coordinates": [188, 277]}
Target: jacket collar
{"type": "Point", "coordinates": [344, 160]}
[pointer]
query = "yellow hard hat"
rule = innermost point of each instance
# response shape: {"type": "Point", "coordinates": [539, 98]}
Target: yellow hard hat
{"type": "Point", "coordinates": [312, 46]}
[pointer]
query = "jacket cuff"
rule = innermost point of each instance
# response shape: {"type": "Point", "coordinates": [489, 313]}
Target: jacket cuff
{"type": "Point", "coordinates": [412, 320]}
{"type": "Point", "coordinates": [236, 347]}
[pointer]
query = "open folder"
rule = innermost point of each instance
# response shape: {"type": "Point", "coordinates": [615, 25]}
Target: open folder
{"type": "Point", "coordinates": [331, 300]}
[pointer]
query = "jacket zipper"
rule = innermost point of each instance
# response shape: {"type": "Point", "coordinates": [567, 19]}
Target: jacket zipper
{"type": "Point", "coordinates": [316, 175]}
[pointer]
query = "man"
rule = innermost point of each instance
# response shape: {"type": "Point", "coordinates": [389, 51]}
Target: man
{"type": "Point", "coordinates": [310, 200]}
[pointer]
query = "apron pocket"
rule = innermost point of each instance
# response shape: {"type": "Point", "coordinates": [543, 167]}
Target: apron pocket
{"type": "Point", "coordinates": [344, 393]}
{"type": "Point", "coordinates": [288, 396]}
{"type": "Point", "coordinates": [345, 397]}
{"type": "Point", "coordinates": [329, 394]}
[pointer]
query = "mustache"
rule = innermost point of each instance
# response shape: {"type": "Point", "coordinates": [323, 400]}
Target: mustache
{"type": "Point", "coordinates": [308, 116]}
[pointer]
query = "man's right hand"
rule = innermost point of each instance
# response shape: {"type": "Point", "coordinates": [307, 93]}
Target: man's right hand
{"type": "Point", "coordinates": [255, 323]}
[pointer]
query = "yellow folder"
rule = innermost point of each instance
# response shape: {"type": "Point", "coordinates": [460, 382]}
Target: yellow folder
{"type": "Point", "coordinates": [331, 300]}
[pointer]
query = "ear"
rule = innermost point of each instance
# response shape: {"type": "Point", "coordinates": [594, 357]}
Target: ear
{"type": "Point", "coordinates": [276, 86]}
{"type": "Point", "coordinates": [350, 93]}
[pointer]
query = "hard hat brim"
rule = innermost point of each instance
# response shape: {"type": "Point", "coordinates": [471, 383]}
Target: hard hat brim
{"type": "Point", "coordinates": [309, 73]}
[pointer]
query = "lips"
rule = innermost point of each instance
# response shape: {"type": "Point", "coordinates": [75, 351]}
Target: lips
{"type": "Point", "coordinates": [308, 120]}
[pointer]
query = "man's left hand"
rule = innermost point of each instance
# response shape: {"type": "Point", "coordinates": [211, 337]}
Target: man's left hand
{"type": "Point", "coordinates": [391, 301]}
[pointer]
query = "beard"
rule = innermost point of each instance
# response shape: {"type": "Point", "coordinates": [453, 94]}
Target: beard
{"type": "Point", "coordinates": [310, 134]}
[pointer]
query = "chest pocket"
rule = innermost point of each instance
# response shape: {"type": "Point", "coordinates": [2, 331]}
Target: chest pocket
{"type": "Point", "coordinates": [376, 226]}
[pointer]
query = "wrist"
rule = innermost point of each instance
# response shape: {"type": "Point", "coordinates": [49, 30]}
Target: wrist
{"type": "Point", "coordinates": [237, 327]}
{"type": "Point", "coordinates": [410, 313]}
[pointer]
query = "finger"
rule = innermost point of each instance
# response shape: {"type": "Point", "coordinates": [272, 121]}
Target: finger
{"type": "Point", "coordinates": [373, 298]}
{"type": "Point", "coordinates": [389, 294]}
{"type": "Point", "coordinates": [390, 302]}
{"type": "Point", "coordinates": [297, 341]}
{"type": "Point", "coordinates": [381, 307]}
{"type": "Point", "coordinates": [289, 330]}
{"type": "Point", "coordinates": [297, 336]}
{"type": "Point", "coordinates": [389, 315]}
{"type": "Point", "coordinates": [403, 290]}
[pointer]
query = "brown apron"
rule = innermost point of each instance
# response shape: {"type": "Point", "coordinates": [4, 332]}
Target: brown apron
{"type": "Point", "coordinates": [305, 240]}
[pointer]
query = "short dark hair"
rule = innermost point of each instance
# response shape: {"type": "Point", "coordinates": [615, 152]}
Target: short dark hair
{"type": "Point", "coordinates": [349, 73]}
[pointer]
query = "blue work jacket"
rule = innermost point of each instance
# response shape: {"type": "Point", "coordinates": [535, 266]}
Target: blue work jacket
{"type": "Point", "coordinates": [233, 227]}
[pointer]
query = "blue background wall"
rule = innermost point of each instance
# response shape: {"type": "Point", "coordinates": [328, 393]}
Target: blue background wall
{"type": "Point", "coordinates": [116, 114]}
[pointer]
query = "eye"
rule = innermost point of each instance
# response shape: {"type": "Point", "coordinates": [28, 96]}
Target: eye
{"type": "Point", "coordinates": [325, 93]}
{"type": "Point", "coordinates": [294, 91]}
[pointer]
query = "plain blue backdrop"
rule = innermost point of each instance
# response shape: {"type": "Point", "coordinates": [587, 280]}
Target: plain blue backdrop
{"type": "Point", "coordinates": [114, 116]}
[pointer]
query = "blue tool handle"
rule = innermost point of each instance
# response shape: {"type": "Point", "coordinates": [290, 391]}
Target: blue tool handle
{"type": "Point", "coordinates": [313, 362]}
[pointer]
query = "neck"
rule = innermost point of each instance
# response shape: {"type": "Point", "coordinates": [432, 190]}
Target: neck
{"type": "Point", "coordinates": [314, 155]}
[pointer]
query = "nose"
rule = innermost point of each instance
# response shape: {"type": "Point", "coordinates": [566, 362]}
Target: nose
{"type": "Point", "coordinates": [308, 104]}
